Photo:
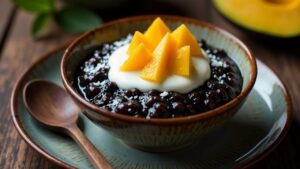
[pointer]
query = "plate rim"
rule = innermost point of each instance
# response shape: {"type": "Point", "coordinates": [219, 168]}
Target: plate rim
{"type": "Point", "coordinates": [61, 163]}
{"type": "Point", "coordinates": [272, 147]}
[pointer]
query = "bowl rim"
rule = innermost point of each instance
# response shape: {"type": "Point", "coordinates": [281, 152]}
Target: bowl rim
{"type": "Point", "coordinates": [162, 121]}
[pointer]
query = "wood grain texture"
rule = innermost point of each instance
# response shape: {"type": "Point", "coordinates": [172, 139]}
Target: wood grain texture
{"type": "Point", "coordinates": [6, 18]}
{"type": "Point", "coordinates": [20, 50]}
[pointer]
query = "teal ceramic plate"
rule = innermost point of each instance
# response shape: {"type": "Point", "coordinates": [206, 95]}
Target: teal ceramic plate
{"type": "Point", "coordinates": [251, 134]}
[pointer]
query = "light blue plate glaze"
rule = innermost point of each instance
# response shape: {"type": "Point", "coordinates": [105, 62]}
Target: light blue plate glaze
{"type": "Point", "coordinates": [252, 133]}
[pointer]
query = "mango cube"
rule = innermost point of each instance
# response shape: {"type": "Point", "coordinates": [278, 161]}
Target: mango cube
{"type": "Point", "coordinates": [156, 31]}
{"type": "Point", "coordinates": [184, 37]}
{"type": "Point", "coordinates": [138, 38]}
{"type": "Point", "coordinates": [181, 64]}
{"type": "Point", "coordinates": [157, 69]}
{"type": "Point", "coordinates": [137, 59]}
{"type": "Point", "coordinates": [158, 53]}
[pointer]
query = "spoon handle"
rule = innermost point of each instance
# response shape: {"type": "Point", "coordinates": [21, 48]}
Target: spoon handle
{"type": "Point", "coordinates": [95, 157]}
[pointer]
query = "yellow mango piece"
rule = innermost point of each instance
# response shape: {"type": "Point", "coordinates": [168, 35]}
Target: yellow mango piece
{"type": "Point", "coordinates": [137, 59]}
{"type": "Point", "coordinates": [156, 31]}
{"type": "Point", "coordinates": [157, 69]}
{"type": "Point", "coordinates": [184, 37]}
{"type": "Point", "coordinates": [138, 38]}
{"type": "Point", "coordinates": [181, 64]}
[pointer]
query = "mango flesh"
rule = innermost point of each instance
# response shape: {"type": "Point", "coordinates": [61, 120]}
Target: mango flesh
{"type": "Point", "coordinates": [159, 53]}
{"type": "Point", "coordinates": [279, 18]}
{"type": "Point", "coordinates": [184, 37]}
{"type": "Point", "coordinates": [156, 31]}
{"type": "Point", "coordinates": [137, 59]}
{"type": "Point", "coordinates": [157, 69]}
{"type": "Point", "coordinates": [181, 65]}
{"type": "Point", "coordinates": [138, 38]}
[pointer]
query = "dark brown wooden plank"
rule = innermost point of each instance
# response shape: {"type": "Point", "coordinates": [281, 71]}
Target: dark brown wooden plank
{"type": "Point", "coordinates": [6, 9]}
{"type": "Point", "coordinates": [6, 16]}
{"type": "Point", "coordinates": [20, 50]}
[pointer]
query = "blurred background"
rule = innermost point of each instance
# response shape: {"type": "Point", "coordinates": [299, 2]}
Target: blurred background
{"type": "Point", "coordinates": [31, 28]}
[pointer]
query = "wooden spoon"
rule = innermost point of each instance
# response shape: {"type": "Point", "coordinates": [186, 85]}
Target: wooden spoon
{"type": "Point", "coordinates": [52, 106]}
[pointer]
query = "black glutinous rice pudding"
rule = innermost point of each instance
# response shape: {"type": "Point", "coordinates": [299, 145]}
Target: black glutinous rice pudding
{"type": "Point", "coordinates": [166, 77]}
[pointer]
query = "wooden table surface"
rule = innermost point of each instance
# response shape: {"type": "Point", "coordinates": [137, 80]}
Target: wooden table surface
{"type": "Point", "coordinates": [18, 51]}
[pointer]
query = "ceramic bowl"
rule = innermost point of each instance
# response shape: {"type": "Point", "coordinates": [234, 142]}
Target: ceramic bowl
{"type": "Point", "coordinates": [158, 134]}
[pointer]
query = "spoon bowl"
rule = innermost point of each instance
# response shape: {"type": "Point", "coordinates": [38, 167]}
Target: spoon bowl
{"type": "Point", "coordinates": [39, 96]}
{"type": "Point", "coordinates": [53, 107]}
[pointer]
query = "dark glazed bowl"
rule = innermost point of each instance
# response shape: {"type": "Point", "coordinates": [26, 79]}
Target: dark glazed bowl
{"type": "Point", "coordinates": [158, 134]}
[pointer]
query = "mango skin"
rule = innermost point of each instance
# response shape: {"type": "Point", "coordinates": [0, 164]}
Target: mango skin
{"type": "Point", "coordinates": [279, 20]}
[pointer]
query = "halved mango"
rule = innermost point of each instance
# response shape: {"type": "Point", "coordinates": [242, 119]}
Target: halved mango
{"type": "Point", "coordinates": [156, 31]}
{"type": "Point", "coordinates": [184, 37]}
{"type": "Point", "coordinates": [181, 64]}
{"type": "Point", "coordinates": [157, 69]}
{"type": "Point", "coordinates": [138, 38]}
{"type": "Point", "coordinates": [137, 59]}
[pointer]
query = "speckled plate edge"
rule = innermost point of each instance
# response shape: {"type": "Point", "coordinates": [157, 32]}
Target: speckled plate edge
{"type": "Point", "coordinates": [31, 143]}
{"type": "Point", "coordinates": [267, 151]}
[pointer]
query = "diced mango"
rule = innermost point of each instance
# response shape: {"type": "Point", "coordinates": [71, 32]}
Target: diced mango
{"type": "Point", "coordinates": [137, 59]}
{"type": "Point", "coordinates": [159, 53]}
{"type": "Point", "coordinates": [157, 69]}
{"type": "Point", "coordinates": [156, 31]}
{"type": "Point", "coordinates": [184, 37]}
{"type": "Point", "coordinates": [138, 38]}
{"type": "Point", "coordinates": [181, 64]}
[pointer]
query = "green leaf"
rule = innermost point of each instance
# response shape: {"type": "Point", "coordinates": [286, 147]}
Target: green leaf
{"type": "Point", "coordinates": [40, 21]}
{"type": "Point", "coordinates": [37, 6]}
{"type": "Point", "coordinates": [77, 20]}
